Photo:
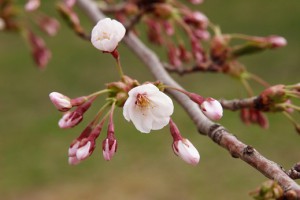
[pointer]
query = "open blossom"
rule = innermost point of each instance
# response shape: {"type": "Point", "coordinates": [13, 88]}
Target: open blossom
{"type": "Point", "coordinates": [212, 109]}
{"type": "Point", "coordinates": [107, 34]}
{"type": "Point", "coordinates": [148, 108]}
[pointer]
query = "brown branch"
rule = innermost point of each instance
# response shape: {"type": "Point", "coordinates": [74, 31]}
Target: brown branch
{"type": "Point", "coordinates": [216, 132]}
{"type": "Point", "coordinates": [236, 104]}
{"type": "Point", "coordinates": [112, 8]}
{"type": "Point", "coordinates": [294, 172]}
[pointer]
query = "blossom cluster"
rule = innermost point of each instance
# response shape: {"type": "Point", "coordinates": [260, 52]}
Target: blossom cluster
{"type": "Point", "coordinates": [145, 105]}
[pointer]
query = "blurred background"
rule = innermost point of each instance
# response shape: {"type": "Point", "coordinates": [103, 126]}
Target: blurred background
{"type": "Point", "coordinates": [33, 150]}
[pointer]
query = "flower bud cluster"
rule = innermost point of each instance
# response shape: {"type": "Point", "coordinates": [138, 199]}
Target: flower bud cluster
{"type": "Point", "coordinates": [268, 190]}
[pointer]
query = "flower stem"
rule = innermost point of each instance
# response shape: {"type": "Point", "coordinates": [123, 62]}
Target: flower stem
{"type": "Point", "coordinates": [98, 93]}
{"type": "Point", "coordinates": [177, 89]}
{"type": "Point", "coordinates": [116, 55]}
{"type": "Point", "coordinates": [247, 86]}
{"type": "Point", "coordinates": [258, 80]}
{"type": "Point", "coordinates": [290, 118]}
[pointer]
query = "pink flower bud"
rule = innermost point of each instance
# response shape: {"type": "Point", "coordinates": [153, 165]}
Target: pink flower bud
{"type": "Point", "coordinates": [49, 25]}
{"type": "Point", "coordinates": [196, 1]}
{"type": "Point", "coordinates": [60, 101]}
{"type": "Point", "coordinates": [32, 5]}
{"type": "Point", "coordinates": [197, 51]}
{"type": "Point", "coordinates": [212, 109]}
{"type": "Point", "coordinates": [74, 161]}
{"type": "Point", "coordinates": [276, 41]}
{"type": "Point", "coordinates": [169, 29]}
{"type": "Point", "coordinates": [41, 54]}
{"type": "Point", "coordinates": [262, 120]}
{"type": "Point", "coordinates": [70, 119]}
{"type": "Point", "coordinates": [69, 3]}
{"type": "Point", "coordinates": [84, 151]}
{"type": "Point", "coordinates": [154, 32]}
{"type": "Point", "coordinates": [186, 151]}
{"type": "Point", "coordinates": [73, 148]}
{"type": "Point", "coordinates": [174, 56]}
{"type": "Point", "coordinates": [109, 147]}
{"type": "Point", "coordinates": [2, 24]}
{"type": "Point", "coordinates": [197, 19]}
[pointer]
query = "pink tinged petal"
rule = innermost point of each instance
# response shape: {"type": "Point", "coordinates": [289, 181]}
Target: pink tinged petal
{"type": "Point", "coordinates": [60, 101]}
{"type": "Point", "coordinates": [70, 119]}
{"type": "Point", "coordinates": [84, 151]}
{"type": "Point", "coordinates": [212, 109]}
{"type": "Point", "coordinates": [186, 151]}
{"type": "Point", "coordinates": [73, 149]}
{"type": "Point", "coordinates": [32, 5]}
{"type": "Point", "coordinates": [109, 150]}
{"type": "Point", "coordinates": [73, 161]}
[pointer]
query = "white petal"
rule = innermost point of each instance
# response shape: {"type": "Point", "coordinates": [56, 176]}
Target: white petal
{"type": "Point", "coordinates": [162, 104]}
{"type": "Point", "coordinates": [120, 29]}
{"type": "Point", "coordinates": [146, 88]}
{"type": "Point", "coordinates": [126, 106]}
{"type": "Point", "coordinates": [84, 151]}
{"type": "Point", "coordinates": [141, 119]}
{"type": "Point", "coordinates": [159, 124]}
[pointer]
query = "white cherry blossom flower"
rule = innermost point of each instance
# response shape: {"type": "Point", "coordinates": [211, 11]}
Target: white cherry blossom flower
{"type": "Point", "coordinates": [107, 34]}
{"type": "Point", "coordinates": [148, 108]}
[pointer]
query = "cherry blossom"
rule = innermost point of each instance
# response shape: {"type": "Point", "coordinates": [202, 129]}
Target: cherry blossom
{"type": "Point", "coordinates": [107, 34]}
{"type": "Point", "coordinates": [148, 108]}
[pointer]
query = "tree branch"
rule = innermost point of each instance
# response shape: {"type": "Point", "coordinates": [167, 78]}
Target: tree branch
{"type": "Point", "coordinates": [215, 131]}
{"type": "Point", "coordinates": [236, 104]}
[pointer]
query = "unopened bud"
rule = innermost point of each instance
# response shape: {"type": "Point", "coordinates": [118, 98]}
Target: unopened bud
{"type": "Point", "coordinates": [163, 10]}
{"type": "Point", "coordinates": [109, 147]}
{"type": "Point", "coordinates": [71, 119]}
{"type": "Point", "coordinates": [73, 161]}
{"type": "Point", "coordinates": [60, 101]}
{"type": "Point", "coordinates": [84, 151]}
{"type": "Point", "coordinates": [32, 5]}
{"type": "Point", "coordinates": [186, 151]}
{"type": "Point", "coordinates": [196, 1]}
{"type": "Point", "coordinates": [212, 109]}
{"type": "Point", "coordinates": [2, 24]}
{"type": "Point", "coordinates": [276, 41]}
{"type": "Point", "coordinates": [49, 25]}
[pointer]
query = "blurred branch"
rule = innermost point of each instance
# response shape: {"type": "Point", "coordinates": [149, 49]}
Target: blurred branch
{"type": "Point", "coordinates": [215, 131]}
{"type": "Point", "coordinates": [237, 104]}
{"type": "Point", "coordinates": [294, 172]}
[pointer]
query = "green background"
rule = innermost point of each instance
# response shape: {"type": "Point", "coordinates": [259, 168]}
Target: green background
{"type": "Point", "coordinates": [33, 150]}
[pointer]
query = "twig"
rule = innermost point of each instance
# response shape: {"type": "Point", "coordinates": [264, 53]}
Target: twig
{"type": "Point", "coordinates": [215, 131]}
{"type": "Point", "coordinates": [294, 172]}
{"type": "Point", "coordinates": [236, 104]}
